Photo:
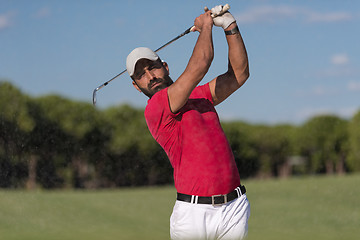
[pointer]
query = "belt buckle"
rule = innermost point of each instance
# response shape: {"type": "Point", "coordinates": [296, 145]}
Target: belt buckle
{"type": "Point", "coordinates": [218, 204]}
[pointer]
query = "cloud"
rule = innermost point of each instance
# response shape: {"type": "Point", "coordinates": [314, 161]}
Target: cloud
{"type": "Point", "coordinates": [339, 59]}
{"type": "Point", "coordinates": [273, 14]}
{"type": "Point", "coordinates": [43, 13]}
{"type": "Point", "coordinates": [340, 67]}
{"type": "Point", "coordinates": [323, 91]}
{"type": "Point", "coordinates": [343, 112]}
{"type": "Point", "coordinates": [337, 72]}
{"type": "Point", "coordinates": [267, 14]}
{"type": "Point", "coordinates": [354, 86]}
{"type": "Point", "coordinates": [328, 17]}
{"type": "Point", "coordinates": [6, 20]}
{"type": "Point", "coordinates": [329, 91]}
{"type": "Point", "coordinates": [318, 91]}
{"type": "Point", "coordinates": [309, 112]}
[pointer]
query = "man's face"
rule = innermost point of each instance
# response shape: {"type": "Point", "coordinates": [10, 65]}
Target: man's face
{"type": "Point", "coordinates": [151, 76]}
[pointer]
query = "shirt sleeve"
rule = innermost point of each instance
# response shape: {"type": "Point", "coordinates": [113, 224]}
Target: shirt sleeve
{"type": "Point", "coordinates": [206, 91]}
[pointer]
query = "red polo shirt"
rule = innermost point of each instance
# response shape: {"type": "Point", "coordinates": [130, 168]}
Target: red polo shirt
{"type": "Point", "coordinates": [195, 143]}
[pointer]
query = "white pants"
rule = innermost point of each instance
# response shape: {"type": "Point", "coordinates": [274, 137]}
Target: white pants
{"type": "Point", "coordinates": [205, 221]}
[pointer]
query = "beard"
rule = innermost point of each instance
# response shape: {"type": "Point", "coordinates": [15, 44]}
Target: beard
{"type": "Point", "coordinates": [156, 85]}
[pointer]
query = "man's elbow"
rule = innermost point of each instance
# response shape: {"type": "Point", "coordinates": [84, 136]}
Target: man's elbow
{"type": "Point", "coordinates": [241, 75]}
{"type": "Point", "coordinates": [246, 73]}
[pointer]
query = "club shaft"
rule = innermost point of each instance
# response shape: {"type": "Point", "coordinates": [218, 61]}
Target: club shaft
{"type": "Point", "coordinates": [173, 40]}
{"type": "Point", "coordinates": [166, 44]}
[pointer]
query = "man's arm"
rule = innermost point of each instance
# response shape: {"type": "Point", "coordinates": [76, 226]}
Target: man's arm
{"type": "Point", "coordinates": [238, 69]}
{"type": "Point", "coordinates": [199, 63]}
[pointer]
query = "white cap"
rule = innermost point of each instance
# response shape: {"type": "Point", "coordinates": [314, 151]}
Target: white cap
{"type": "Point", "coordinates": [136, 55]}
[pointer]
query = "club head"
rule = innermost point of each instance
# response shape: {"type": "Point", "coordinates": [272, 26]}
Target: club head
{"type": "Point", "coordinates": [94, 96]}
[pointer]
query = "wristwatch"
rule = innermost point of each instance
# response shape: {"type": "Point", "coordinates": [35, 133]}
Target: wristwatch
{"type": "Point", "coordinates": [233, 31]}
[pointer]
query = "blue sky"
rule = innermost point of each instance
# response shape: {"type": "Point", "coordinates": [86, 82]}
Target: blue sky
{"type": "Point", "coordinates": [304, 55]}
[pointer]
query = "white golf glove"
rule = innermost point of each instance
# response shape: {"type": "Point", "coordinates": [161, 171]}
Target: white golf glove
{"type": "Point", "coordinates": [223, 20]}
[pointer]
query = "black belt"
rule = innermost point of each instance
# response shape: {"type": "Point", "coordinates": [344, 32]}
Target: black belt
{"type": "Point", "coordinates": [215, 199]}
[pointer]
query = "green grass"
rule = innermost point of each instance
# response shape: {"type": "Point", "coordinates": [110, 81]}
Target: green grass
{"type": "Point", "coordinates": [297, 208]}
{"type": "Point", "coordinates": [305, 208]}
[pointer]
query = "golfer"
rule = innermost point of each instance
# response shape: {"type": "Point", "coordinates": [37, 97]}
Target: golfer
{"type": "Point", "coordinates": [211, 202]}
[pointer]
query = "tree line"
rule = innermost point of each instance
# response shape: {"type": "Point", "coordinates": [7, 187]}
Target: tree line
{"type": "Point", "coordinates": [55, 142]}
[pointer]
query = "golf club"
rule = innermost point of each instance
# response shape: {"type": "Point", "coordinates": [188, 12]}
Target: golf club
{"type": "Point", "coordinates": [225, 8]}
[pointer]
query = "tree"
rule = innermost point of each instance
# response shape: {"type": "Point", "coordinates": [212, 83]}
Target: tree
{"type": "Point", "coordinates": [274, 145]}
{"type": "Point", "coordinates": [15, 125]}
{"type": "Point", "coordinates": [136, 159]}
{"type": "Point", "coordinates": [354, 143]}
{"type": "Point", "coordinates": [243, 147]}
{"type": "Point", "coordinates": [47, 141]}
{"type": "Point", "coordinates": [323, 141]}
{"type": "Point", "coordinates": [77, 120]}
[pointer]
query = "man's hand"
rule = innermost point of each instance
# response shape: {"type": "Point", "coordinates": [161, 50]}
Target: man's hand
{"type": "Point", "coordinates": [223, 20]}
{"type": "Point", "coordinates": [203, 21]}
